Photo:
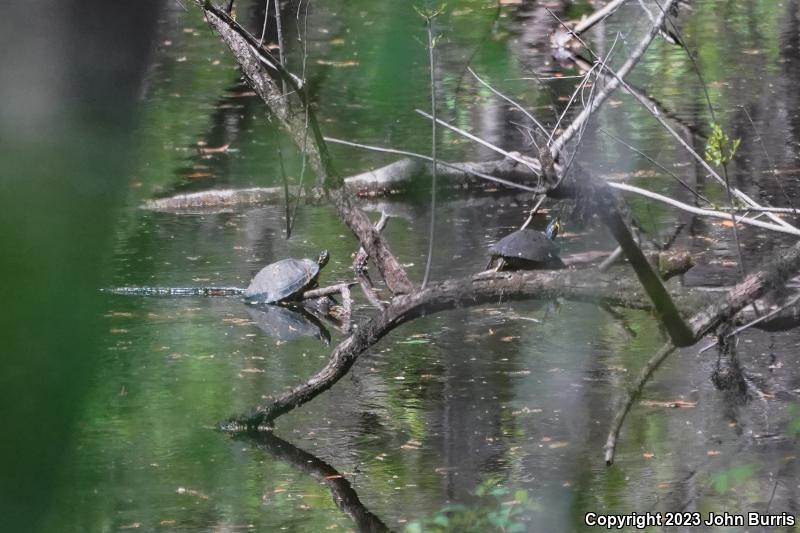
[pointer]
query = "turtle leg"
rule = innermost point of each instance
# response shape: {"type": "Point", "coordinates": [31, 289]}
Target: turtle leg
{"type": "Point", "coordinates": [501, 264]}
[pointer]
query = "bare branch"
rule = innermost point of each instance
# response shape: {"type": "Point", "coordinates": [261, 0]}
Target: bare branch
{"type": "Point", "coordinates": [467, 168]}
{"type": "Point", "coordinates": [486, 287]}
{"type": "Point", "coordinates": [431, 66]}
{"type": "Point", "coordinates": [704, 212]}
{"type": "Point", "coordinates": [509, 100]}
{"type": "Point", "coordinates": [736, 192]}
{"type": "Point", "coordinates": [532, 165]}
{"type": "Point", "coordinates": [771, 277]}
{"type": "Point", "coordinates": [597, 16]}
{"type": "Point", "coordinates": [603, 95]}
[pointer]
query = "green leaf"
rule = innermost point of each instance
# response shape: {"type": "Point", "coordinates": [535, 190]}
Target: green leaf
{"type": "Point", "coordinates": [735, 147]}
{"type": "Point", "coordinates": [441, 520]}
{"type": "Point", "coordinates": [413, 527]}
{"type": "Point", "coordinates": [717, 148]}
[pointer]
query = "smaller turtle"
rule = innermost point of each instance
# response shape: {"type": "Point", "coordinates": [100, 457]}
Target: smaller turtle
{"type": "Point", "coordinates": [527, 249]}
{"type": "Point", "coordinates": [285, 280]}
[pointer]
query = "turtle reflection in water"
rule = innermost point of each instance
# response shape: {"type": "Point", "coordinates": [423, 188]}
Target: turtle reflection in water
{"type": "Point", "coordinates": [527, 249]}
{"type": "Point", "coordinates": [286, 324]}
{"type": "Point", "coordinates": [285, 280]}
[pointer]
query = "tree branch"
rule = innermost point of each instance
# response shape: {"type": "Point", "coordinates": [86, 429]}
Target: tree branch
{"type": "Point", "coordinates": [771, 277]}
{"type": "Point", "coordinates": [483, 288]}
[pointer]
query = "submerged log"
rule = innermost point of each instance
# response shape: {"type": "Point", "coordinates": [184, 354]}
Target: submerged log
{"type": "Point", "coordinates": [222, 199]}
{"type": "Point", "coordinates": [390, 179]}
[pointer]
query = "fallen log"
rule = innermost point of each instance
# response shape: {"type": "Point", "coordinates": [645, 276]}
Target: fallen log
{"type": "Point", "coordinates": [390, 179]}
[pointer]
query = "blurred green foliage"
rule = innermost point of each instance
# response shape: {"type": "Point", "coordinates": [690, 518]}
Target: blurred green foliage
{"type": "Point", "coordinates": [496, 510]}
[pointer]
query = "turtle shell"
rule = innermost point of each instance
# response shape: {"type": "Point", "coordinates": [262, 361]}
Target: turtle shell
{"type": "Point", "coordinates": [526, 244]}
{"type": "Point", "coordinates": [282, 280]}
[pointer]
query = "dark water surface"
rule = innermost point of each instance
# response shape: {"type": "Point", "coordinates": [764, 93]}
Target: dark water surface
{"type": "Point", "coordinates": [522, 393]}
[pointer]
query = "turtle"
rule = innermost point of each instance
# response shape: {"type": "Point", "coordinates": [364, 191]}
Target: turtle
{"type": "Point", "coordinates": [527, 249]}
{"type": "Point", "coordinates": [285, 280]}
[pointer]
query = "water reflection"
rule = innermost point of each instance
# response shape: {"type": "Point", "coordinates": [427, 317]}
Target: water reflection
{"type": "Point", "coordinates": [286, 324]}
{"type": "Point", "coordinates": [342, 491]}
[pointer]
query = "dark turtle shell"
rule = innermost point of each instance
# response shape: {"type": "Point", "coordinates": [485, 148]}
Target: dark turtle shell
{"type": "Point", "coordinates": [282, 280]}
{"type": "Point", "coordinates": [526, 245]}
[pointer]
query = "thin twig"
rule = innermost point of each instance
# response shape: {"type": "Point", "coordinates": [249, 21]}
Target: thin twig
{"type": "Point", "coordinates": [575, 93]}
{"type": "Point", "coordinates": [428, 158]}
{"type": "Point", "coordinates": [432, 228]}
{"type": "Point", "coordinates": [701, 211]}
{"type": "Point", "coordinates": [509, 100]}
{"type": "Point", "coordinates": [659, 165]}
{"type": "Point", "coordinates": [769, 160]}
{"type": "Point", "coordinates": [485, 143]}
{"type": "Point", "coordinates": [264, 26]}
{"type": "Point", "coordinates": [603, 95]}
{"type": "Point", "coordinates": [682, 43]}
{"type": "Point", "coordinates": [597, 16]}
{"type": "Point", "coordinates": [591, 102]}
{"type": "Point", "coordinates": [533, 211]}
{"type": "Point", "coordinates": [281, 51]}
{"type": "Point", "coordinates": [611, 259]}
{"type": "Point", "coordinates": [285, 186]}
{"type": "Point", "coordinates": [545, 78]}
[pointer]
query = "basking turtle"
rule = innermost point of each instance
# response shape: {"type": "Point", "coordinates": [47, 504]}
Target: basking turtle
{"type": "Point", "coordinates": [527, 249]}
{"type": "Point", "coordinates": [285, 280]}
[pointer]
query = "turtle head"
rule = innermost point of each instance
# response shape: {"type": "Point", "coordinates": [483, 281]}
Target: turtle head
{"type": "Point", "coordinates": [323, 258]}
{"type": "Point", "coordinates": [552, 229]}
